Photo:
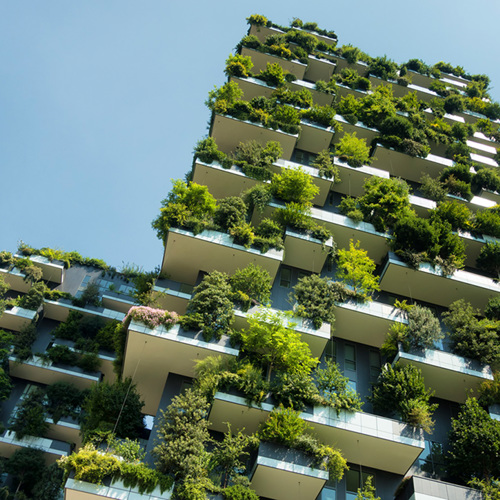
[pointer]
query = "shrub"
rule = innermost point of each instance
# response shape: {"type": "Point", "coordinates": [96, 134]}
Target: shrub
{"type": "Point", "coordinates": [316, 299]}
{"type": "Point", "coordinates": [151, 317]}
{"type": "Point", "coordinates": [251, 284]}
{"type": "Point", "coordinates": [255, 159]}
{"type": "Point", "coordinates": [350, 208]}
{"type": "Point", "coordinates": [384, 202]}
{"type": "Point", "coordinates": [283, 426]}
{"type": "Point", "coordinates": [242, 234]}
{"type": "Point", "coordinates": [489, 258]}
{"type": "Point", "coordinates": [273, 75]}
{"type": "Point", "coordinates": [34, 298]}
{"type": "Point", "coordinates": [353, 150]}
{"type": "Point", "coordinates": [356, 270]}
{"type": "Point", "coordinates": [326, 168]}
{"type": "Point", "coordinates": [294, 390]}
{"type": "Point", "coordinates": [322, 115]}
{"type": "Point", "coordinates": [423, 328]}
{"type": "Point", "coordinates": [30, 416]}
{"type": "Point", "coordinates": [294, 185]}
{"type": "Point", "coordinates": [401, 391]}
{"type": "Point", "coordinates": [383, 68]}
{"type": "Point", "coordinates": [207, 151]}
{"type": "Point", "coordinates": [211, 307]}
{"type": "Point", "coordinates": [488, 222]}
{"type": "Point", "coordinates": [230, 212]}
{"type": "Point", "coordinates": [257, 20]}
{"type": "Point", "coordinates": [455, 213]}
{"type": "Point", "coordinates": [238, 65]}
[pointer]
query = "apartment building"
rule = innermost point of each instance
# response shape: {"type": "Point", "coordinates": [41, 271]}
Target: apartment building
{"type": "Point", "coordinates": [308, 148]}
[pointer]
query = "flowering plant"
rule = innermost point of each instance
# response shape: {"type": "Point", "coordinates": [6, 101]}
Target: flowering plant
{"type": "Point", "coordinates": [152, 317]}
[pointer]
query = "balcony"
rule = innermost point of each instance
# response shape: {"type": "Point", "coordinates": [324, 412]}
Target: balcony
{"type": "Point", "coordinates": [81, 490]}
{"type": "Point", "coordinates": [262, 32]}
{"type": "Point", "coordinates": [171, 300]}
{"type": "Point", "coordinates": [260, 61]}
{"type": "Point", "coordinates": [228, 132]}
{"type": "Point", "coordinates": [485, 160]}
{"type": "Point", "coordinates": [362, 131]}
{"type": "Point", "coordinates": [186, 254]}
{"type": "Point", "coordinates": [59, 311]}
{"type": "Point", "coordinates": [285, 474]}
{"type": "Point", "coordinates": [152, 353]}
{"type": "Point", "coordinates": [488, 150]}
{"type": "Point", "coordinates": [366, 323]}
{"type": "Point", "coordinates": [314, 137]}
{"type": "Point", "coordinates": [37, 370]}
{"type": "Point", "coordinates": [52, 448]}
{"type": "Point", "coordinates": [429, 285]}
{"type": "Point", "coordinates": [452, 377]}
{"type": "Point", "coordinates": [111, 302]}
{"type": "Point", "coordinates": [52, 271]}
{"type": "Point", "coordinates": [319, 69]}
{"type": "Point", "coordinates": [364, 439]}
{"type": "Point", "coordinates": [408, 167]}
{"type": "Point", "coordinates": [319, 98]}
{"type": "Point", "coordinates": [353, 178]}
{"type": "Point", "coordinates": [421, 205]}
{"type": "Point", "coordinates": [305, 252]}
{"type": "Point", "coordinates": [424, 488]}
{"type": "Point", "coordinates": [15, 279]}
{"type": "Point", "coordinates": [17, 318]}
{"type": "Point", "coordinates": [315, 338]}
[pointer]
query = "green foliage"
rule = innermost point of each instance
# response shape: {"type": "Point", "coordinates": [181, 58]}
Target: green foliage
{"type": "Point", "coordinates": [353, 150]}
{"type": "Point", "coordinates": [489, 391]}
{"type": "Point", "coordinates": [401, 391]}
{"type": "Point", "coordinates": [255, 160]}
{"type": "Point", "coordinates": [257, 197]}
{"type": "Point", "coordinates": [211, 306]}
{"type": "Point", "coordinates": [220, 100]}
{"type": "Point", "coordinates": [26, 465]}
{"type": "Point", "coordinates": [228, 455]}
{"type": "Point", "coordinates": [301, 98]}
{"type": "Point", "coordinates": [472, 337]}
{"type": "Point", "coordinates": [30, 416]}
{"type": "Point", "coordinates": [23, 341]}
{"type": "Point", "coordinates": [207, 151]}
{"type": "Point", "coordinates": [368, 491]}
{"type": "Point", "coordinates": [49, 485]}
{"type": "Point", "coordinates": [356, 270]}
{"type": "Point", "coordinates": [352, 79]}
{"type": "Point", "coordinates": [489, 488]}
{"type": "Point", "coordinates": [113, 407]}
{"type": "Point", "coordinates": [257, 20]}
{"type": "Point", "coordinates": [350, 53]}
{"type": "Point", "coordinates": [377, 106]}
{"type": "Point", "coordinates": [294, 185]}
{"type": "Point", "coordinates": [334, 388]}
{"type": "Point", "coordinates": [397, 334]}
{"type": "Point", "coordinates": [184, 203]}
{"type": "Point", "coordinates": [273, 75]}
{"type": "Point", "coordinates": [489, 258]}
{"type": "Point", "coordinates": [322, 115]}
{"type": "Point", "coordinates": [295, 390]}
{"type": "Point", "coordinates": [89, 296]}
{"type": "Point", "coordinates": [383, 68]}
{"type": "Point", "coordinates": [276, 344]}
{"type": "Point", "coordinates": [350, 208]}
{"type": "Point", "coordinates": [283, 426]}
{"type": "Point", "coordinates": [384, 202]}
{"type": "Point", "coordinates": [326, 168]}
{"type": "Point", "coordinates": [474, 442]}
{"type": "Point", "coordinates": [316, 298]}
{"type": "Point", "coordinates": [251, 284]}
{"type": "Point", "coordinates": [34, 298]}
{"type": "Point", "coordinates": [488, 222]}
{"type": "Point", "coordinates": [238, 65]}
{"type": "Point", "coordinates": [63, 399]}
{"type": "Point", "coordinates": [230, 212]}
{"type": "Point", "coordinates": [183, 434]}
{"type": "Point", "coordinates": [455, 213]}
{"type": "Point", "coordinates": [423, 328]}
{"type": "Point", "coordinates": [239, 492]}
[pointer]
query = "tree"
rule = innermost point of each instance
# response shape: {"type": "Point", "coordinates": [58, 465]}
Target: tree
{"type": "Point", "coordinates": [401, 391]}
{"type": "Point", "coordinates": [27, 466]}
{"type": "Point", "coordinates": [353, 150]}
{"type": "Point", "coordinates": [356, 270]}
{"type": "Point", "coordinates": [276, 344]}
{"type": "Point", "coordinates": [474, 444]}
{"type": "Point", "coordinates": [316, 299]}
{"type": "Point", "coordinates": [472, 337]}
{"type": "Point", "coordinates": [30, 416]}
{"type": "Point", "coordinates": [211, 307]}
{"type": "Point", "coordinates": [368, 492]}
{"type": "Point", "coordinates": [184, 202]}
{"type": "Point", "coordinates": [183, 434]}
{"type": "Point", "coordinates": [489, 258]}
{"type": "Point", "coordinates": [423, 328]}
{"type": "Point", "coordinates": [326, 168]}
{"type": "Point", "coordinates": [384, 202]}
{"type": "Point", "coordinates": [294, 185]}
{"type": "Point", "coordinates": [49, 486]}
{"type": "Point", "coordinates": [251, 284]}
{"type": "Point", "coordinates": [113, 407]}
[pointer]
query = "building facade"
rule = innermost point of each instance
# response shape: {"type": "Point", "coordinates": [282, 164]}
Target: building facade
{"type": "Point", "coordinates": [320, 161]}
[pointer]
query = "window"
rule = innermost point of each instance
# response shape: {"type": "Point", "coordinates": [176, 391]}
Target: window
{"type": "Point", "coordinates": [431, 459]}
{"type": "Point", "coordinates": [374, 366]}
{"type": "Point", "coordinates": [331, 350]}
{"type": "Point", "coordinates": [303, 157]}
{"type": "Point", "coordinates": [350, 357]}
{"type": "Point", "coordinates": [353, 482]}
{"type": "Point", "coordinates": [285, 277]}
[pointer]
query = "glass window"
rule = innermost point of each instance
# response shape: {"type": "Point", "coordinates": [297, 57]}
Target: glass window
{"type": "Point", "coordinates": [374, 366]}
{"type": "Point", "coordinates": [353, 482]}
{"type": "Point", "coordinates": [285, 277]}
{"type": "Point", "coordinates": [350, 357]}
{"type": "Point", "coordinates": [327, 494]}
{"type": "Point", "coordinates": [331, 350]}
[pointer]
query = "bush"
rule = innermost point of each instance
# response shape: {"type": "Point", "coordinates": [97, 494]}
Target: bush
{"type": "Point", "coordinates": [316, 299]}
{"type": "Point", "coordinates": [294, 185]}
{"type": "Point", "coordinates": [230, 212]}
{"type": "Point", "coordinates": [251, 284]}
{"type": "Point", "coordinates": [383, 68]}
{"type": "Point", "coordinates": [326, 168]}
{"type": "Point", "coordinates": [238, 65]}
{"type": "Point", "coordinates": [151, 317]}
{"type": "Point", "coordinates": [353, 150]}
{"type": "Point", "coordinates": [455, 213]}
{"type": "Point", "coordinates": [488, 222]}
{"type": "Point", "coordinates": [423, 328]}
{"type": "Point", "coordinates": [283, 426]}
{"type": "Point", "coordinates": [255, 160]}
{"type": "Point", "coordinates": [489, 258]}
{"type": "Point", "coordinates": [242, 234]}
{"type": "Point", "coordinates": [211, 307]}
{"type": "Point", "coordinates": [401, 391]}
{"type": "Point", "coordinates": [273, 75]}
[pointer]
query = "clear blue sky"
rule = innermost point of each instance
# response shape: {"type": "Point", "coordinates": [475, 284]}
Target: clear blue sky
{"type": "Point", "coordinates": [102, 102]}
